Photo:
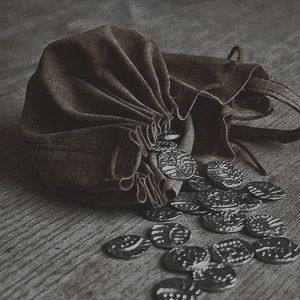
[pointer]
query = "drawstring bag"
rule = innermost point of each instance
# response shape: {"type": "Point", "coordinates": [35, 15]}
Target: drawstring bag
{"type": "Point", "coordinates": [99, 100]}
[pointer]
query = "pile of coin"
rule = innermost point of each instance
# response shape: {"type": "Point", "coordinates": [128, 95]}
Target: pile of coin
{"type": "Point", "coordinates": [224, 204]}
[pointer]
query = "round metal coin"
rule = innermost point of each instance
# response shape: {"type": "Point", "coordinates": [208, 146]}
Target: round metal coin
{"type": "Point", "coordinates": [248, 202]}
{"type": "Point", "coordinates": [265, 190]}
{"type": "Point", "coordinates": [199, 183]}
{"type": "Point", "coordinates": [185, 201]}
{"type": "Point", "coordinates": [265, 226]}
{"type": "Point", "coordinates": [161, 145]}
{"type": "Point", "coordinates": [169, 235]}
{"type": "Point", "coordinates": [234, 252]}
{"type": "Point", "coordinates": [176, 289]}
{"type": "Point", "coordinates": [219, 200]}
{"type": "Point", "coordinates": [224, 174]}
{"type": "Point", "coordinates": [169, 136]}
{"type": "Point", "coordinates": [215, 277]}
{"type": "Point", "coordinates": [176, 164]}
{"type": "Point", "coordinates": [223, 222]}
{"type": "Point", "coordinates": [161, 214]}
{"type": "Point", "coordinates": [127, 246]}
{"type": "Point", "coordinates": [186, 258]}
{"type": "Point", "coordinates": [276, 250]}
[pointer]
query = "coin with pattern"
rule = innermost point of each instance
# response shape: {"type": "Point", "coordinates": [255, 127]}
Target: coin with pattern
{"type": "Point", "coordinates": [219, 200]}
{"type": "Point", "coordinates": [177, 164]}
{"type": "Point", "coordinates": [248, 203]}
{"type": "Point", "coordinates": [186, 258]}
{"type": "Point", "coordinates": [169, 235]}
{"type": "Point", "coordinates": [223, 222]}
{"type": "Point", "coordinates": [127, 246]}
{"type": "Point", "coordinates": [176, 289]}
{"type": "Point", "coordinates": [224, 174]}
{"type": "Point", "coordinates": [199, 183]}
{"type": "Point", "coordinates": [185, 201]}
{"type": "Point", "coordinates": [265, 190]}
{"type": "Point", "coordinates": [215, 277]}
{"type": "Point", "coordinates": [278, 250]}
{"type": "Point", "coordinates": [234, 252]}
{"type": "Point", "coordinates": [265, 226]}
{"type": "Point", "coordinates": [169, 136]}
{"type": "Point", "coordinates": [161, 214]}
{"type": "Point", "coordinates": [161, 145]}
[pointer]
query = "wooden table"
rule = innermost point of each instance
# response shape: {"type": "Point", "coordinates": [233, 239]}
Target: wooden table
{"type": "Point", "coordinates": [50, 248]}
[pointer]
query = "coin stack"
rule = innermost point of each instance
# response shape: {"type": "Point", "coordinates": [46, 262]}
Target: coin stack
{"type": "Point", "coordinates": [224, 204]}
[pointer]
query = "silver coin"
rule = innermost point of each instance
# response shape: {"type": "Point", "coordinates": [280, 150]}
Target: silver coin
{"type": "Point", "coordinates": [161, 214]}
{"type": "Point", "coordinates": [186, 258]}
{"type": "Point", "coordinates": [234, 252]}
{"type": "Point", "coordinates": [223, 222]}
{"type": "Point", "coordinates": [276, 250]}
{"type": "Point", "coordinates": [224, 174]}
{"type": "Point", "coordinates": [215, 277]}
{"type": "Point", "coordinates": [202, 210]}
{"type": "Point", "coordinates": [177, 164]}
{"type": "Point", "coordinates": [199, 183]}
{"type": "Point", "coordinates": [265, 226]}
{"type": "Point", "coordinates": [265, 190]}
{"type": "Point", "coordinates": [248, 203]}
{"type": "Point", "coordinates": [169, 235]}
{"type": "Point", "coordinates": [169, 136]}
{"type": "Point", "coordinates": [185, 201]}
{"type": "Point", "coordinates": [176, 289]}
{"type": "Point", "coordinates": [219, 200]}
{"type": "Point", "coordinates": [161, 145]}
{"type": "Point", "coordinates": [127, 246]}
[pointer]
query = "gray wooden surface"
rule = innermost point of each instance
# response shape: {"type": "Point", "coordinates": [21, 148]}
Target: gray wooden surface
{"type": "Point", "coordinates": [51, 248]}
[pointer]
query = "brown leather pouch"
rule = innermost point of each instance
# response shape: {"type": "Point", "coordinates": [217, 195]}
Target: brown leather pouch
{"type": "Point", "coordinates": [98, 101]}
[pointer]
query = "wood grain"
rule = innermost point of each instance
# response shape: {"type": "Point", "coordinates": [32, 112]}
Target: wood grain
{"type": "Point", "coordinates": [50, 248]}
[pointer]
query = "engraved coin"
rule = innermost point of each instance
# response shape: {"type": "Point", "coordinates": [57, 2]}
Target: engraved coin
{"type": "Point", "coordinates": [248, 202]}
{"type": "Point", "coordinates": [265, 190]}
{"type": "Point", "coordinates": [215, 277]}
{"type": "Point", "coordinates": [176, 289]}
{"type": "Point", "coordinates": [202, 210]}
{"type": "Point", "coordinates": [234, 252]}
{"type": "Point", "coordinates": [219, 200]}
{"type": "Point", "coordinates": [199, 183]}
{"type": "Point", "coordinates": [224, 174]}
{"type": "Point", "coordinates": [127, 246]}
{"type": "Point", "coordinates": [176, 164]}
{"type": "Point", "coordinates": [161, 214]}
{"type": "Point", "coordinates": [161, 145]}
{"type": "Point", "coordinates": [169, 235]}
{"type": "Point", "coordinates": [278, 250]}
{"type": "Point", "coordinates": [223, 222]}
{"type": "Point", "coordinates": [186, 258]}
{"type": "Point", "coordinates": [185, 201]}
{"type": "Point", "coordinates": [265, 226]}
{"type": "Point", "coordinates": [169, 136]}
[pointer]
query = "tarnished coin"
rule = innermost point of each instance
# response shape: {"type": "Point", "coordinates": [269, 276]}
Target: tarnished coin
{"type": "Point", "coordinates": [177, 164]}
{"type": "Point", "coordinates": [248, 202]}
{"type": "Point", "coordinates": [127, 246]}
{"type": "Point", "coordinates": [186, 258]}
{"type": "Point", "coordinates": [224, 174]}
{"type": "Point", "coordinates": [199, 183]}
{"type": "Point", "coordinates": [161, 214]}
{"type": "Point", "coordinates": [219, 200]}
{"type": "Point", "coordinates": [185, 201]}
{"type": "Point", "coordinates": [234, 252]}
{"type": "Point", "coordinates": [161, 145]}
{"type": "Point", "coordinates": [169, 136]}
{"type": "Point", "coordinates": [215, 277]}
{"type": "Point", "coordinates": [265, 190]}
{"type": "Point", "coordinates": [176, 289]}
{"type": "Point", "coordinates": [278, 250]}
{"type": "Point", "coordinates": [265, 226]}
{"type": "Point", "coordinates": [169, 235]}
{"type": "Point", "coordinates": [223, 222]}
